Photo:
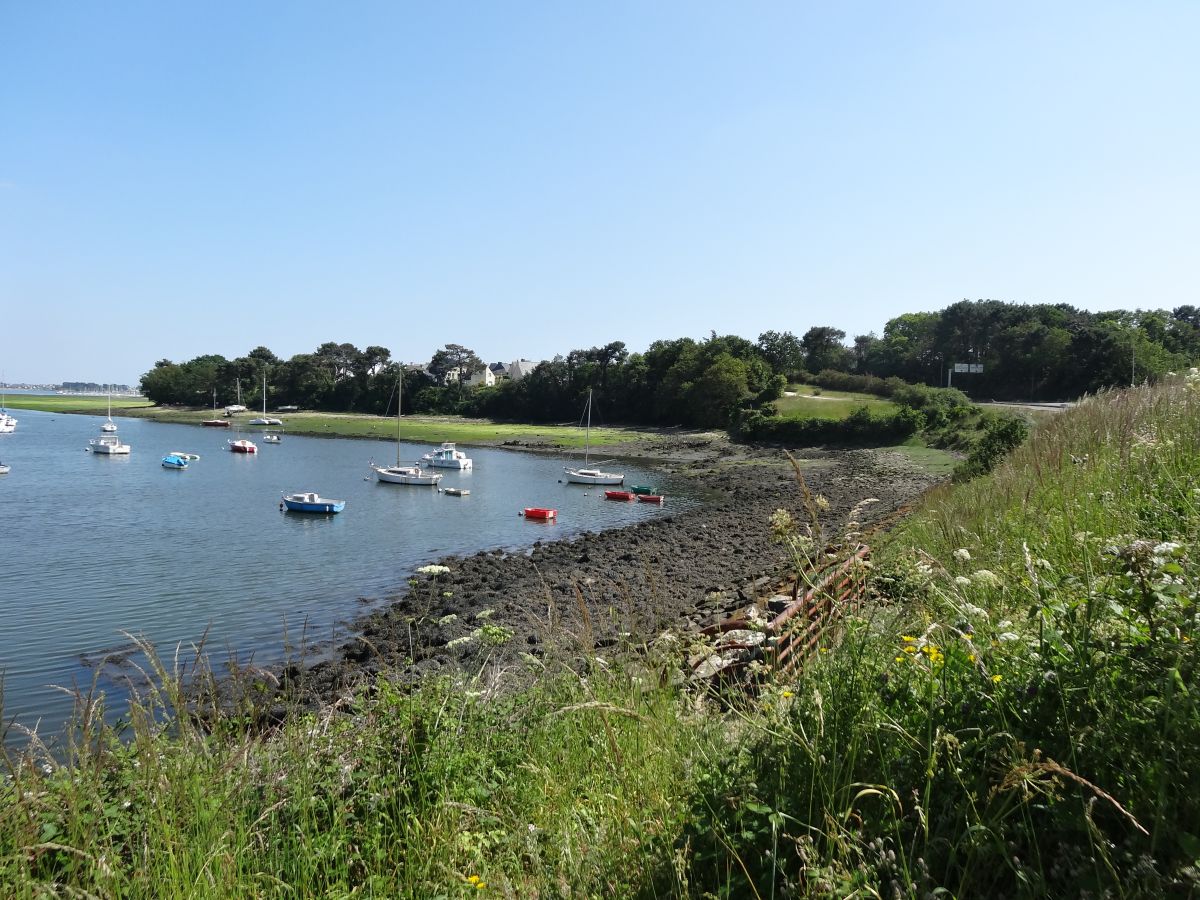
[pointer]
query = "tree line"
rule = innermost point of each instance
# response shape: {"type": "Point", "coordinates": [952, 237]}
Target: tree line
{"type": "Point", "coordinates": [1034, 352]}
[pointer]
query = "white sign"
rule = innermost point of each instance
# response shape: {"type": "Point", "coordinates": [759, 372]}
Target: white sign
{"type": "Point", "coordinates": [977, 368]}
{"type": "Point", "coordinates": [962, 367]}
{"type": "Point", "coordinates": [969, 368]}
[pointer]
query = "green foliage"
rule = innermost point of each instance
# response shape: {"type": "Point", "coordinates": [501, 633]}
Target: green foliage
{"type": "Point", "coordinates": [1001, 434]}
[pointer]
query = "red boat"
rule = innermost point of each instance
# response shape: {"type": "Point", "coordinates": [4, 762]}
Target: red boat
{"type": "Point", "coordinates": [243, 446]}
{"type": "Point", "coordinates": [618, 495]}
{"type": "Point", "coordinates": [651, 498]}
{"type": "Point", "coordinates": [538, 512]}
{"type": "Point", "coordinates": [216, 423]}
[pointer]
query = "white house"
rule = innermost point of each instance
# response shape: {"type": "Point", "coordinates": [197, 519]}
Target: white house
{"type": "Point", "coordinates": [482, 377]}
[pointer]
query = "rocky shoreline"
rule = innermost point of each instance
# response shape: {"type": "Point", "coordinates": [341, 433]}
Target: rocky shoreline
{"type": "Point", "coordinates": [625, 585]}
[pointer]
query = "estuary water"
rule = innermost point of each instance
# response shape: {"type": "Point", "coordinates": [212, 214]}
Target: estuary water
{"type": "Point", "coordinates": [92, 546]}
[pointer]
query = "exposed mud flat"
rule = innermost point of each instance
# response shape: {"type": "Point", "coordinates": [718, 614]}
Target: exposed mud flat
{"type": "Point", "coordinates": [627, 584]}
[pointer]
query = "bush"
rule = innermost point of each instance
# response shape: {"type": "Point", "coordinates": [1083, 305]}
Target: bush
{"type": "Point", "coordinates": [1001, 434]}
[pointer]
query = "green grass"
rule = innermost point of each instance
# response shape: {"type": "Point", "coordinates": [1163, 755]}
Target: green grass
{"type": "Point", "coordinates": [930, 459]}
{"type": "Point", "coordinates": [70, 403]}
{"type": "Point", "coordinates": [829, 404]}
{"type": "Point", "coordinates": [416, 429]}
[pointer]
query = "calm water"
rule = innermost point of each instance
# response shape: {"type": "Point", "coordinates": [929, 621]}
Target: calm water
{"type": "Point", "coordinates": [91, 546]}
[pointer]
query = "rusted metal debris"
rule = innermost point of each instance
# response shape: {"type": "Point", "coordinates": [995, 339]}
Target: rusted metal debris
{"type": "Point", "coordinates": [787, 629]}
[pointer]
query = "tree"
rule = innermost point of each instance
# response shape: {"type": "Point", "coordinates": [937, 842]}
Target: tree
{"type": "Point", "coordinates": [783, 352]}
{"type": "Point", "coordinates": [718, 391]}
{"type": "Point", "coordinates": [823, 349]}
{"type": "Point", "coordinates": [454, 362]}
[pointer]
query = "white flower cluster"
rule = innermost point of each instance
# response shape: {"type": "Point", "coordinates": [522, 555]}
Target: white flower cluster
{"type": "Point", "coordinates": [433, 570]}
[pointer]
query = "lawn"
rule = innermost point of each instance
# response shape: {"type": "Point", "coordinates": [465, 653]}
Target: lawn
{"type": "Point", "coordinates": [415, 429]}
{"type": "Point", "coordinates": [829, 404]}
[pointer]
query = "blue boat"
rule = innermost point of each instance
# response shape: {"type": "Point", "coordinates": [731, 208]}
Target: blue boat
{"type": "Point", "coordinates": [171, 461]}
{"type": "Point", "coordinates": [312, 503]}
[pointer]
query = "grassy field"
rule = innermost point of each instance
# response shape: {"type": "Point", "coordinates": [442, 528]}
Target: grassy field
{"type": "Point", "coordinates": [415, 429]}
{"type": "Point", "coordinates": [73, 403]}
{"type": "Point", "coordinates": [829, 404]}
{"type": "Point", "coordinates": [1015, 713]}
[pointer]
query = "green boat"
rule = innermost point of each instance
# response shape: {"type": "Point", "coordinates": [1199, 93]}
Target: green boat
{"type": "Point", "coordinates": [641, 489]}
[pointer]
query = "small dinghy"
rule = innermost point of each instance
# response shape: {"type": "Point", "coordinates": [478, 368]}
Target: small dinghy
{"type": "Point", "coordinates": [539, 513]}
{"type": "Point", "coordinates": [312, 503]}
{"type": "Point", "coordinates": [172, 461]}
{"type": "Point", "coordinates": [619, 495]}
{"type": "Point", "coordinates": [456, 492]}
{"type": "Point", "coordinates": [651, 498]}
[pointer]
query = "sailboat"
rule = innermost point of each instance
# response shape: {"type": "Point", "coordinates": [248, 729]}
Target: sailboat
{"type": "Point", "coordinates": [7, 423]}
{"type": "Point", "coordinates": [399, 474]}
{"type": "Point", "coordinates": [263, 419]}
{"type": "Point", "coordinates": [109, 425]}
{"type": "Point", "coordinates": [237, 407]}
{"type": "Point", "coordinates": [214, 422]}
{"type": "Point", "coordinates": [585, 475]}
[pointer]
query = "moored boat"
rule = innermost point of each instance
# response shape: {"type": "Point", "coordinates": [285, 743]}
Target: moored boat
{"type": "Point", "coordinates": [242, 446]}
{"type": "Point", "coordinates": [456, 492]}
{"type": "Point", "coordinates": [187, 457]}
{"type": "Point", "coordinates": [447, 457]}
{"type": "Point", "coordinates": [641, 489]}
{"type": "Point", "coordinates": [586, 475]}
{"type": "Point", "coordinates": [618, 495]}
{"type": "Point", "coordinates": [539, 512]}
{"type": "Point", "coordinates": [406, 475]}
{"type": "Point", "coordinates": [651, 498]}
{"type": "Point", "coordinates": [4, 469]}
{"type": "Point", "coordinates": [171, 461]}
{"type": "Point", "coordinates": [312, 503]}
{"type": "Point", "coordinates": [108, 446]}
{"type": "Point", "coordinates": [269, 437]}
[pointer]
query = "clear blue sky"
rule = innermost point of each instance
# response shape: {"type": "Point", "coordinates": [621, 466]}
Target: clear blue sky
{"type": "Point", "coordinates": [529, 178]}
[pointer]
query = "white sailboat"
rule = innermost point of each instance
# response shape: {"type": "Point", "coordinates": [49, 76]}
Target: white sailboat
{"type": "Point", "coordinates": [264, 419]}
{"type": "Point", "coordinates": [400, 474]}
{"type": "Point", "coordinates": [7, 423]}
{"type": "Point", "coordinates": [586, 475]}
{"type": "Point", "coordinates": [236, 407]}
{"type": "Point", "coordinates": [109, 424]}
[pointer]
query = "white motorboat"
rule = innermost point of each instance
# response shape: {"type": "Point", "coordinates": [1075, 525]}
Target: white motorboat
{"type": "Point", "coordinates": [587, 475]}
{"type": "Point", "coordinates": [4, 469]}
{"type": "Point", "coordinates": [447, 457]}
{"type": "Point", "coordinates": [108, 446]}
{"type": "Point", "coordinates": [270, 437]}
{"type": "Point", "coordinates": [399, 474]}
{"type": "Point", "coordinates": [242, 446]}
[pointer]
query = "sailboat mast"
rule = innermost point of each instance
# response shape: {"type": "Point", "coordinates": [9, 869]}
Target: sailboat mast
{"type": "Point", "coordinates": [399, 401]}
{"type": "Point", "coordinates": [587, 435]}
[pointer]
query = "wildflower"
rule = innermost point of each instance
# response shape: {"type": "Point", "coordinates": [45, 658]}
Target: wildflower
{"type": "Point", "coordinates": [996, 679]}
{"type": "Point", "coordinates": [782, 523]}
{"type": "Point", "coordinates": [899, 659]}
{"type": "Point", "coordinates": [962, 580]}
{"type": "Point", "coordinates": [910, 648]}
{"type": "Point", "coordinates": [970, 657]}
{"type": "Point", "coordinates": [433, 570]}
{"type": "Point", "coordinates": [788, 694]}
{"type": "Point", "coordinates": [962, 554]}
{"type": "Point", "coordinates": [824, 649]}
{"type": "Point", "coordinates": [473, 879]}
{"type": "Point", "coordinates": [908, 639]}
{"type": "Point", "coordinates": [986, 577]}
{"type": "Point", "coordinates": [820, 503]}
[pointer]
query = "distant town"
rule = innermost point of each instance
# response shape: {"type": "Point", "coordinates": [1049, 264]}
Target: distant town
{"type": "Point", "coordinates": [72, 387]}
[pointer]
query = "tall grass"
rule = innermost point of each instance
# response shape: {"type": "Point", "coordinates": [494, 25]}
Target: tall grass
{"type": "Point", "coordinates": [1017, 714]}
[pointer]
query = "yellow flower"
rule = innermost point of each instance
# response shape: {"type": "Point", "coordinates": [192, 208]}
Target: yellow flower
{"type": "Point", "coordinates": [481, 885]}
{"type": "Point", "coordinates": [996, 679]}
{"type": "Point", "coordinates": [970, 657]}
{"type": "Point", "coordinates": [473, 879]}
{"type": "Point", "coordinates": [908, 638]}
{"type": "Point", "coordinates": [910, 649]}
{"type": "Point", "coordinates": [824, 649]}
{"type": "Point", "coordinates": [899, 659]}
{"type": "Point", "coordinates": [788, 694]}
